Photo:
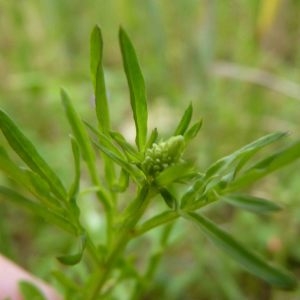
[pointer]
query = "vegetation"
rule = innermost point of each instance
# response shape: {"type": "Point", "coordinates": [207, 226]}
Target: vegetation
{"type": "Point", "coordinates": [130, 206]}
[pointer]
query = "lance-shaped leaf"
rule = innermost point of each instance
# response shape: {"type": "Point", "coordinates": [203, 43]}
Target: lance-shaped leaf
{"type": "Point", "coordinates": [185, 121]}
{"type": "Point", "coordinates": [76, 154]}
{"type": "Point", "coordinates": [249, 260]}
{"type": "Point", "coordinates": [102, 110]}
{"type": "Point", "coordinates": [193, 131]}
{"type": "Point", "coordinates": [37, 209]}
{"type": "Point", "coordinates": [239, 157]}
{"type": "Point", "coordinates": [266, 166]}
{"type": "Point", "coordinates": [28, 153]}
{"type": "Point", "coordinates": [251, 203]}
{"type": "Point", "coordinates": [136, 87]}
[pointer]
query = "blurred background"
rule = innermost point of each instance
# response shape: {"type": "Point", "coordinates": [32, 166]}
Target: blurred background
{"type": "Point", "coordinates": [238, 62]}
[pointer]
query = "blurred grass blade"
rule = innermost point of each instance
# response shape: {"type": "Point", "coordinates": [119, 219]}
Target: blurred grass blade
{"type": "Point", "coordinates": [76, 181]}
{"type": "Point", "coordinates": [185, 121]}
{"type": "Point", "coordinates": [102, 110]}
{"type": "Point", "coordinates": [137, 88]}
{"type": "Point", "coordinates": [266, 166]}
{"type": "Point", "coordinates": [249, 260]}
{"type": "Point", "coordinates": [193, 131]}
{"type": "Point", "coordinates": [37, 209]}
{"type": "Point", "coordinates": [73, 259]}
{"type": "Point", "coordinates": [28, 153]}
{"type": "Point", "coordinates": [30, 291]}
{"type": "Point", "coordinates": [239, 157]}
{"type": "Point", "coordinates": [253, 204]}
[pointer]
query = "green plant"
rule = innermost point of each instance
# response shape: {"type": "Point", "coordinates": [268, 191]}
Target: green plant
{"type": "Point", "coordinates": [134, 179]}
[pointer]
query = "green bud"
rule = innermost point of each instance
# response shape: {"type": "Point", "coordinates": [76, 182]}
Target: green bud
{"type": "Point", "coordinates": [162, 155]}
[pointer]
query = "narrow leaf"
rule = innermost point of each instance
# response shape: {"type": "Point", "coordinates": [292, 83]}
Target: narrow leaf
{"type": "Point", "coordinates": [193, 131]}
{"type": "Point", "coordinates": [152, 139]}
{"type": "Point", "coordinates": [137, 88]}
{"type": "Point", "coordinates": [249, 260]}
{"type": "Point", "coordinates": [97, 71]}
{"type": "Point", "coordinates": [185, 121]}
{"type": "Point", "coordinates": [37, 209]}
{"type": "Point", "coordinates": [81, 135]}
{"type": "Point", "coordinates": [76, 155]}
{"type": "Point", "coordinates": [96, 49]}
{"type": "Point", "coordinates": [28, 153]}
{"type": "Point", "coordinates": [267, 165]}
{"type": "Point", "coordinates": [253, 204]}
{"type": "Point", "coordinates": [174, 173]}
{"type": "Point", "coordinates": [239, 157]}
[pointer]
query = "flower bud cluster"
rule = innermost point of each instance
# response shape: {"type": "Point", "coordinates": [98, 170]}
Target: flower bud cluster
{"type": "Point", "coordinates": [162, 155]}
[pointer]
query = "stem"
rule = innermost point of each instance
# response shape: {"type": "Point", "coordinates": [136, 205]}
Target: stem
{"type": "Point", "coordinates": [124, 236]}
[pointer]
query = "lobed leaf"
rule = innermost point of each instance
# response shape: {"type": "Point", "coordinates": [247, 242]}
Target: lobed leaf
{"type": "Point", "coordinates": [249, 260]}
{"type": "Point", "coordinates": [28, 153]}
{"type": "Point", "coordinates": [137, 88]}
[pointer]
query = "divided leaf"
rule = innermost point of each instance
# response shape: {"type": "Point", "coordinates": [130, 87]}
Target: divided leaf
{"type": "Point", "coordinates": [137, 89]}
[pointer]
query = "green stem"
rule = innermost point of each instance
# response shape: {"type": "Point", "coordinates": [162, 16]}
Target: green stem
{"type": "Point", "coordinates": [124, 236]}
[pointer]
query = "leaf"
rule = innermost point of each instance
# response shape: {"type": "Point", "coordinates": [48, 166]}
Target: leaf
{"type": "Point", "coordinates": [73, 259]}
{"type": "Point", "coordinates": [136, 87]}
{"type": "Point", "coordinates": [96, 50]}
{"type": "Point", "coordinates": [193, 131]}
{"type": "Point", "coordinates": [131, 153]}
{"type": "Point", "coordinates": [28, 153]}
{"type": "Point", "coordinates": [83, 140]}
{"type": "Point", "coordinates": [102, 110]}
{"type": "Point", "coordinates": [239, 157]}
{"type": "Point", "coordinates": [266, 166]}
{"type": "Point", "coordinates": [137, 175]}
{"type": "Point", "coordinates": [152, 139]}
{"type": "Point", "coordinates": [174, 173]}
{"type": "Point", "coordinates": [30, 291]}
{"type": "Point", "coordinates": [170, 200]}
{"type": "Point", "coordinates": [253, 204]}
{"type": "Point", "coordinates": [249, 260]}
{"type": "Point", "coordinates": [51, 217]}
{"type": "Point", "coordinates": [76, 181]}
{"type": "Point", "coordinates": [185, 121]}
